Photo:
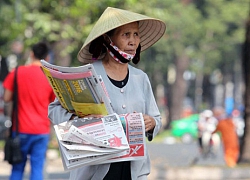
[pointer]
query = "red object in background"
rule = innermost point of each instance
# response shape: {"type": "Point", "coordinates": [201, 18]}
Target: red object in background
{"type": "Point", "coordinates": [187, 111]}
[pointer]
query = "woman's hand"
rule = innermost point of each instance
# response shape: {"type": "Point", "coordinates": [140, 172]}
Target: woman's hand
{"type": "Point", "coordinates": [149, 123]}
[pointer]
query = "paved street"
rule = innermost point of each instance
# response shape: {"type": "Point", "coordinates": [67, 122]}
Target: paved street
{"type": "Point", "coordinates": [169, 162]}
{"type": "Point", "coordinates": [184, 162]}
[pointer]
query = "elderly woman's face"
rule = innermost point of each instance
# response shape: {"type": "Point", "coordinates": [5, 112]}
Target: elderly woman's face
{"type": "Point", "coordinates": [127, 37]}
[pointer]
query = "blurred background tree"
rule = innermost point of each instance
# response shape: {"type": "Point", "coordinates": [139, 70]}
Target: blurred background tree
{"type": "Point", "coordinates": [195, 66]}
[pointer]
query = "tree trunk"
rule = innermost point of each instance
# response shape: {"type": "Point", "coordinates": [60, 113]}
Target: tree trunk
{"type": "Point", "coordinates": [61, 57]}
{"type": "Point", "coordinates": [245, 146]}
{"type": "Point", "coordinates": [179, 88]}
{"type": "Point", "coordinates": [60, 48]}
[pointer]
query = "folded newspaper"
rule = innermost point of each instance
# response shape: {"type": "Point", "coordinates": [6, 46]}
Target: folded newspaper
{"type": "Point", "coordinates": [90, 141]}
{"type": "Point", "coordinates": [79, 89]}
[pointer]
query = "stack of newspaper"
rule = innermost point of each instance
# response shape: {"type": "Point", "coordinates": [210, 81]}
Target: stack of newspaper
{"type": "Point", "coordinates": [90, 141]}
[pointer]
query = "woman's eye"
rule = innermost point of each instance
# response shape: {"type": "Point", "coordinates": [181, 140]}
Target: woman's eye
{"type": "Point", "coordinates": [126, 34]}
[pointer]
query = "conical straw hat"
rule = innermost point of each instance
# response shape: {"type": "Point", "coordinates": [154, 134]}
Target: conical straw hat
{"type": "Point", "coordinates": [150, 29]}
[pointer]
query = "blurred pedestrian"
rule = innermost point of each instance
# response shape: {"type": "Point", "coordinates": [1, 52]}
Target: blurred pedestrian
{"type": "Point", "coordinates": [3, 68]}
{"type": "Point", "coordinates": [229, 136]}
{"type": "Point", "coordinates": [3, 74]}
{"type": "Point", "coordinates": [208, 141]}
{"type": "Point", "coordinates": [4, 108]}
{"type": "Point", "coordinates": [16, 55]}
{"type": "Point", "coordinates": [115, 41]}
{"type": "Point", "coordinates": [34, 96]}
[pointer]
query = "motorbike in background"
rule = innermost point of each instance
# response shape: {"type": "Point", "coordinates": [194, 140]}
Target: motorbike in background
{"type": "Point", "coordinates": [210, 145]}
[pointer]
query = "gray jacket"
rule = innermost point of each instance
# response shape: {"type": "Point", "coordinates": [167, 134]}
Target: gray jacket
{"type": "Point", "coordinates": [136, 96]}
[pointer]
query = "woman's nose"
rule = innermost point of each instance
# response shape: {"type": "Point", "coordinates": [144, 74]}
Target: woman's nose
{"type": "Point", "coordinates": [132, 41]}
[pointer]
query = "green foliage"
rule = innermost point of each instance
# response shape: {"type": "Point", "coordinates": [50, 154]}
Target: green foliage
{"type": "Point", "coordinates": [223, 30]}
{"type": "Point", "coordinates": [204, 30]}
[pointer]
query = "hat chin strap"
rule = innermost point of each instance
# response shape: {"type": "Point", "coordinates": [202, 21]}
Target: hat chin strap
{"type": "Point", "coordinates": [135, 60]}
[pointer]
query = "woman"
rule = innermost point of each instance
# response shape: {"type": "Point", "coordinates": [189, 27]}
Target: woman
{"type": "Point", "coordinates": [117, 38]}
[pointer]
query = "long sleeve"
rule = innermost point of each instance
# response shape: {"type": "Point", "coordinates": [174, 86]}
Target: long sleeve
{"type": "Point", "coordinates": [151, 108]}
{"type": "Point", "coordinates": [57, 114]}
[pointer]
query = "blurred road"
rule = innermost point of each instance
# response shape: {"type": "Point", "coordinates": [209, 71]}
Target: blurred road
{"type": "Point", "coordinates": [169, 162]}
